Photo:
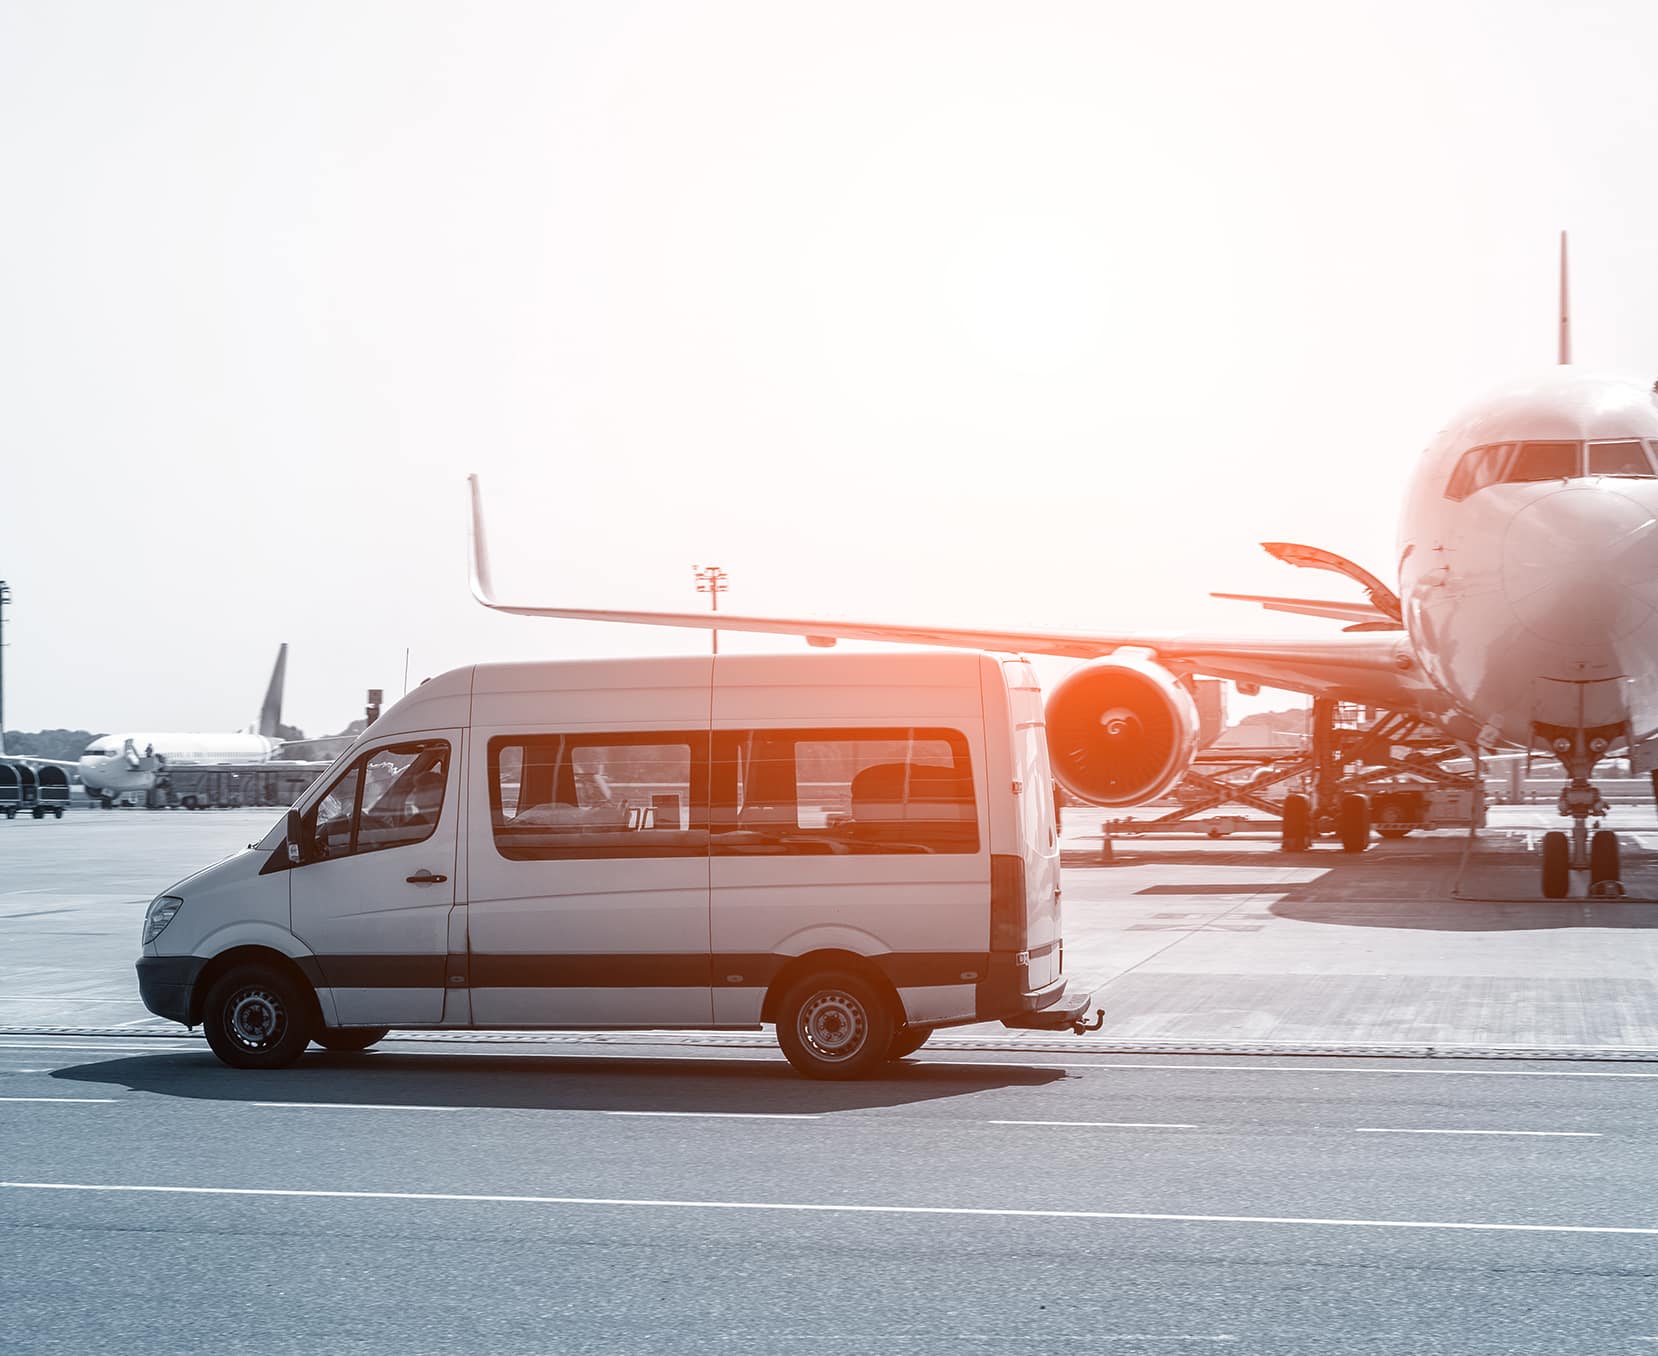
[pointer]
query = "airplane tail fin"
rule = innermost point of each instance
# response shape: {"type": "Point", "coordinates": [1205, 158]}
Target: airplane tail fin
{"type": "Point", "coordinates": [1565, 328]}
{"type": "Point", "coordinates": [270, 714]}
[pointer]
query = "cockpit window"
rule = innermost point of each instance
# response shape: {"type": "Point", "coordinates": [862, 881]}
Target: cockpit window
{"type": "Point", "coordinates": [1543, 461]}
{"type": "Point", "coordinates": [1528, 463]}
{"type": "Point", "coordinates": [1620, 457]}
{"type": "Point", "coordinates": [1479, 467]}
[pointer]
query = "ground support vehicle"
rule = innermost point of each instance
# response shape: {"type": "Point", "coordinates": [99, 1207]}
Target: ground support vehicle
{"type": "Point", "coordinates": [41, 789]}
{"type": "Point", "coordinates": [858, 849]}
{"type": "Point", "coordinates": [1359, 771]}
{"type": "Point", "coordinates": [223, 786]}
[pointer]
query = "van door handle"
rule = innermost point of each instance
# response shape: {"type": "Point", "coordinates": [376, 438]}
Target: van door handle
{"type": "Point", "coordinates": [424, 877]}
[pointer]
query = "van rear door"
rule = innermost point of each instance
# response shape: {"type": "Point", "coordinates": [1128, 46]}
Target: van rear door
{"type": "Point", "coordinates": [1038, 831]}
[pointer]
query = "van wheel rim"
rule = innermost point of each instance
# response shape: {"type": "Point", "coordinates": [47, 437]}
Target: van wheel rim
{"type": "Point", "coordinates": [256, 1019]}
{"type": "Point", "coordinates": [833, 1025]}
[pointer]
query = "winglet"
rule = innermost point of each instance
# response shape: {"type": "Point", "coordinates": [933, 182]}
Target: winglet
{"type": "Point", "coordinates": [482, 588]}
{"type": "Point", "coordinates": [1565, 308]}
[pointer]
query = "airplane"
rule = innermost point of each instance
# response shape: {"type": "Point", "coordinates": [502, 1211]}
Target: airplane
{"type": "Point", "coordinates": [1525, 617]}
{"type": "Point", "coordinates": [118, 764]}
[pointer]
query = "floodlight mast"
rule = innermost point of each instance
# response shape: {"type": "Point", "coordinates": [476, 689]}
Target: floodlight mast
{"type": "Point", "coordinates": [711, 580]}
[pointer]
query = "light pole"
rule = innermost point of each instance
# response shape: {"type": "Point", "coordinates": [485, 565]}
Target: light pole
{"type": "Point", "coordinates": [711, 580]}
{"type": "Point", "coordinates": [5, 597]}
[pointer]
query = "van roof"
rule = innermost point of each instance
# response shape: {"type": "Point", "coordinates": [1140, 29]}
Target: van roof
{"type": "Point", "coordinates": [446, 700]}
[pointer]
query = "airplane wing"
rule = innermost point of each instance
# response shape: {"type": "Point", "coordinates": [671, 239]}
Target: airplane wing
{"type": "Point", "coordinates": [1376, 669]}
{"type": "Point", "coordinates": [1361, 613]}
{"type": "Point", "coordinates": [29, 760]}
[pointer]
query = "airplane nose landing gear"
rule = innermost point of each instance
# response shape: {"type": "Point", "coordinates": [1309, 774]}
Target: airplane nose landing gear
{"type": "Point", "coordinates": [1599, 856]}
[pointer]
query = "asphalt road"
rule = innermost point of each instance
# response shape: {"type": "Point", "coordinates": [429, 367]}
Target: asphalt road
{"type": "Point", "coordinates": [427, 1198]}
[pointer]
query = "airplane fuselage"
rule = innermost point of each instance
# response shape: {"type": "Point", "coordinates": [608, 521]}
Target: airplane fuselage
{"type": "Point", "coordinates": [1531, 598]}
{"type": "Point", "coordinates": [122, 763]}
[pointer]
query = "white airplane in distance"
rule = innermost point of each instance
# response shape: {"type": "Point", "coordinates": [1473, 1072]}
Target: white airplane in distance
{"type": "Point", "coordinates": [1525, 617]}
{"type": "Point", "coordinates": [118, 764]}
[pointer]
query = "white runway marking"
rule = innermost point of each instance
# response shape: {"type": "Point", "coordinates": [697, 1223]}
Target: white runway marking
{"type": "Point", "coordinates": [1017, 1063]}
{"type": "Point", "coordinates": [1107, 1125]}
{"type": "Point", "coordinates": [1542, 1134]}
{"type": "Point", "coordinates": [795, 1207]}
{"type": "Point", "coordinates": [126, 1047]}
{"type": "Point", "coordinates": [727, 1115]}
{"type": "Point", "coordinates": [56, 1099]}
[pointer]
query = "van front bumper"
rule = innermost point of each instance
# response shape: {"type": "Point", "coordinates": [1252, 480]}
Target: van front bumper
{"type": "Point", "coordinates": [165, 984]}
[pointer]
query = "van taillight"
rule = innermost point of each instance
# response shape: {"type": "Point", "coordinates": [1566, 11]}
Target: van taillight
{"type": "Point", "coordinates": [1009, 929]}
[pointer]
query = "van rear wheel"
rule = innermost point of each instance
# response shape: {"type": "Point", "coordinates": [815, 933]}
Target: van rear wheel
{"type": "Point", "coordinates": [347, 1040]}
{"type": "Point", "coordinates": [907, 1040]}
{"type": "Point", "coordinates": [835, 1025]}
{"type": "Point", "coordinates": [257, 1017]}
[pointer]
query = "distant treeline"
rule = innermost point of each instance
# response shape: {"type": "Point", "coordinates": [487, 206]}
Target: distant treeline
{"type": "Point", "coordinates": [64, 745]}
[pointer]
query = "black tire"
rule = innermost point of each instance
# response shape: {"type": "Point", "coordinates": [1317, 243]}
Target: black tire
{"type": "Point", "coordinates": [257, 1017]}
{"type": "Point", "coordinates": [11, 812]}
{"type": "Point", "coordinates": [907, 1040]}
{"type": "Point", "coordinates": [1604, 863]}
{"type": "Point", "coordinates": [347, 1040]}
{"type": "Point", "coordinates": [1353, 822]}
{"type": "Point", "coordinates": [37, 813]}
{"type": "Point", "coordinates": [835, 1025]}
{"type": "Point", "coordinates": [58, 813]}
{"type": "Point", "coordinates": [1297, 828]}
{"type": "Point", "coordinates": [1557, 865]}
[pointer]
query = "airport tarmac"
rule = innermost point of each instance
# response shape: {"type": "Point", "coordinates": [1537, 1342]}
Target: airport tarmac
{"type": "Point", "coordinates": [1191, 944]}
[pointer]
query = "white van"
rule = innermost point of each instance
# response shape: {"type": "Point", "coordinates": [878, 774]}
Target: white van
{"type": "Point", "coordinates": [859, 848]}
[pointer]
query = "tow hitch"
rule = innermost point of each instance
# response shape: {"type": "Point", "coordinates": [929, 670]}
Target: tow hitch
{"type": "Point", "coordinates": [1069, 1014]}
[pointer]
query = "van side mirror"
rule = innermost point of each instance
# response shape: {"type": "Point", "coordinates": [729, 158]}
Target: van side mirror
{"type": "Point", "coordinates": [295, 835]}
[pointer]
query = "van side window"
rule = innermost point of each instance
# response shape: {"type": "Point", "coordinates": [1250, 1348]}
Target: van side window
{"type": "Point", "coordinates": [392, 797]}
{"type": "Point", "coordinates": [802, 792]}
{"type": "Point", "coordinates": [634, 794]}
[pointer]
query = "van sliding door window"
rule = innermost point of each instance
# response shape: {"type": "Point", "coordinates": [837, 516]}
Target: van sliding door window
{"type": "Point", "coordinates": [635, 794]}
{"type": "Point", "coordinates": [390, 798]}
{"type": "Point", "coordinates": [805, 792]}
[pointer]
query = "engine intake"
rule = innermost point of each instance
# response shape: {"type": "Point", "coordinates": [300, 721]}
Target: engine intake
{"type": "Point", "coordinates": [1121, 730]}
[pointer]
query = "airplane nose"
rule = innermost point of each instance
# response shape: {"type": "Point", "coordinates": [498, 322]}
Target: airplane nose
{"type": "Point", "coordinates": [1580, 566]}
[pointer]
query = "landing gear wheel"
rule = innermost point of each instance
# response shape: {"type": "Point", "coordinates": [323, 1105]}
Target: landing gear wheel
{"type": "Point", "coordinates": [257, 1017]}
{"type": "Point", "coordinates": [1557, 865]}
{"type": "Point", "coordinates": [1603, 857]}
{"type": "Point", "coordinates": [1353, 822]}
{"type": "Point", "coordinates": [1297, 828]}
{"type": "Point", "coordinates": [835, 1025]}
{"type": "Point", "coordinates": [348, 1040]}
{"type": "Point", "coordinates": [907, 1040]}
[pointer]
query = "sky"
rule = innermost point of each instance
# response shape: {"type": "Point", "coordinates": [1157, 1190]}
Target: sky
{"type": "Point", "coordinates": [1009, 314]}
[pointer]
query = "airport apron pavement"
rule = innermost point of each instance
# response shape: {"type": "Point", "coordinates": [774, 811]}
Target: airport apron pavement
{"type": "Point", "coordinates": [1189, 943]}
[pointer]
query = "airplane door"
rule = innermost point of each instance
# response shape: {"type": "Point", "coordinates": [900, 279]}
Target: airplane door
{"type": "Point", "coordinates": [373, 894]}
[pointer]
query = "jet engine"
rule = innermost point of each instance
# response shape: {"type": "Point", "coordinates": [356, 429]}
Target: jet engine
{"type": "Point", "coordinates": [1121, 730]}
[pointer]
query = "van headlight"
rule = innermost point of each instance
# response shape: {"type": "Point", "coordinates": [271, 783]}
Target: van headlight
{"type": "Point", "coordinates": [160, 913]}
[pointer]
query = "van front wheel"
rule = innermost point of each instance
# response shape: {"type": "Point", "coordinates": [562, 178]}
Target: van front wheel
{"type": "Point", "coordinates": [835, 1026]}
{"type": "Point", "coordinates": [257, 1017]}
